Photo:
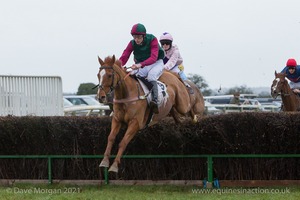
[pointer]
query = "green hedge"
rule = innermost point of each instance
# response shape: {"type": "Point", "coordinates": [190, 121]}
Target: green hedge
{"type": "Point", "coordinates": [236, 133]}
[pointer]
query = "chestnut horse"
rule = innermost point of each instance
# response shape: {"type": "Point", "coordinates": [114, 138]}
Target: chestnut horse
{"type": "Point", "coordinates": [280, 86]}
{"type": "Point", "coordinates": [131, 110]}
{"type": "Point", "coordinates": [196, 100]}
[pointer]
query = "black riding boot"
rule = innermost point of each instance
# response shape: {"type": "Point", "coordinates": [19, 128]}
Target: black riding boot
{"type": "Point", "coordinates": [153, 103]}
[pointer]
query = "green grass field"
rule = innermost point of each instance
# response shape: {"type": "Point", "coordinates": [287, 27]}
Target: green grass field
{"type": "Point", "coordinates": [110, 192]}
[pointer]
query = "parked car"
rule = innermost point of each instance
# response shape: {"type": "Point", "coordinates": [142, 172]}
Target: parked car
{"type": "Point", "coordinates": [251, 102]}
{"type": "Point", "coordinates": [225, 100]}
{"type": "Point", "coordinates": [88, 102]}
{"type": "Point", "coordinates": [82, 100]}
{"type": "Point", "coordinates": [270, 104]}
{"type": "Point", "coordinates": [67, 103]}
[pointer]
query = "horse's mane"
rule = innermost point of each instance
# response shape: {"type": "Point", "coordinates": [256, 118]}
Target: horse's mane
{"type": "Point", "coordinates": [116, 64]}
{"type": "Point", "coordinates": [111, 60]}
{"type": "Point", "coordinates": [282, 74]}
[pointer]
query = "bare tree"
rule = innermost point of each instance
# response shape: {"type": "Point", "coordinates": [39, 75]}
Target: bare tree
{"type": "Point", "coordinates": [201, 83]}
{"type": "Point", "coordinates": [240, 89]}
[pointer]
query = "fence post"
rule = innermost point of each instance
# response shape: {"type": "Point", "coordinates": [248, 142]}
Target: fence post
{"type": "Point", "coordinates": [106, 181]}
{"type": "Point", "coordinates": [49, 170]}
{"type": "Point", "coordinates": [210, 169]}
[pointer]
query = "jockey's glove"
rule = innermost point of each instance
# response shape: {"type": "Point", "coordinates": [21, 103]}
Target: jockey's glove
{"type": "Point", "coordinates": [136, 66]}
{"type": "Point", "coordinates": [181, 67]}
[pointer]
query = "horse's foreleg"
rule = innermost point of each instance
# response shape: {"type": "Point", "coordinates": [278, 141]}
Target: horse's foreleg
{"type": "Point", "coordinates": [133, 128]}
{"type": "Point", "coordinates": [175, 115]}
{"type": "Point", "coordinates": [115, 127]}
{"type": "Point", "coordinates": [193, 116]}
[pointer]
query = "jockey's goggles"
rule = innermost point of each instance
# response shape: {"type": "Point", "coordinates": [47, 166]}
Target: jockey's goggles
{"type": "Point", "coordinates": [138, 37]}
{"type": "Point", "coordinates": [165, 42]}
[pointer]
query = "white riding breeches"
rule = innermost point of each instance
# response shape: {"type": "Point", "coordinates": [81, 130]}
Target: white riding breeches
{"type": "Point", "coordinates": [151, 72]}
{"type": "Point", "coordinates": [175, 69]}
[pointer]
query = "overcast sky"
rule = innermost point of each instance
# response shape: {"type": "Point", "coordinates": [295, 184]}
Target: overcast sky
{"type": "Point", "coordinates": [228, 42]}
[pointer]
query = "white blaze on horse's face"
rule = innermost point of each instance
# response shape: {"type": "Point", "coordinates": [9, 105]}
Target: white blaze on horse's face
{"type": "Point", "coordinates": [102, 73]}
{"type": "Point", "coordinates": [275, 85]}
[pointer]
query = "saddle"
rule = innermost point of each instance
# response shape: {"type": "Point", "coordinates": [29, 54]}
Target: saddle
{"type": "Point", "coordinates": [146, 87]}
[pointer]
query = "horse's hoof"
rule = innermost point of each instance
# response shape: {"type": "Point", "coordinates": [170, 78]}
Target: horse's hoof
{"type": "Point", "coordinates": [104, 163]}
{"type": "Point", "coordinates": [195, 120]}
{"type": "Point", "coordinates": [113, 168]}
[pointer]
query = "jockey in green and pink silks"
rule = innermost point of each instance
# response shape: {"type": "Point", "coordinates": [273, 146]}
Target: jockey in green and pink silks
{"type": "Point", "coordinates": [148, 57]}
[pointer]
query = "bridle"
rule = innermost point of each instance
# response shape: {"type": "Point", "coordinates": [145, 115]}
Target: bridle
{"type": "Point", "coordinates": [112, 86]}
{"type": "Point", "coordinates": [282, 83]}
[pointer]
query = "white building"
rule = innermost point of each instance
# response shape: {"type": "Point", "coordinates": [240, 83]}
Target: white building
{"type": "Point", "coordinates": [31, 95]}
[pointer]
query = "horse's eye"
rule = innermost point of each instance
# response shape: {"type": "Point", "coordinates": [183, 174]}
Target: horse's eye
{"type": "Point", "coordinates": [109, 76]}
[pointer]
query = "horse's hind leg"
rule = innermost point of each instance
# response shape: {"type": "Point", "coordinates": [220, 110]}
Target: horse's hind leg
{"type": "Point", "coordinates": [131, 131]}
{"type": "Point", "coordinates": [115, 127]}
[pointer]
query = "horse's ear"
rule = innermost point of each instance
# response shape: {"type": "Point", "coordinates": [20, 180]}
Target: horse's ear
{"type": "Point", "coordinates": [100, 61]}
{"type": "Point", "coordinates": [113, 58]}
{"type": "Point", "coordinates": [275, 73]}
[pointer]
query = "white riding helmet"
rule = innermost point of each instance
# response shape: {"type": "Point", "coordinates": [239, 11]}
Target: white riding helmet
{"type": "Point", "coordinates": [166, 36]}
